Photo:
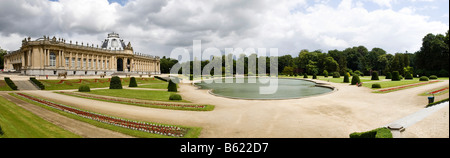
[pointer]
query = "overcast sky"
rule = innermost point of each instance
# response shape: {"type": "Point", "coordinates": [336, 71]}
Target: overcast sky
{"type": "Point", "coordinates": [156, 27]}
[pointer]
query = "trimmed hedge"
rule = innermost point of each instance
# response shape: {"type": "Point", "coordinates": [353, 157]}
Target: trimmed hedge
{"type": "Point", "coordinates": [396, 76]}
{"type": "Point", "coordinates": [132, 82]}
{"type": "Point", "coordinates": [115, 83]}
{"type": "Point", "coordinates": [408, 76]}
{"type": "Point", "coordinates": [172, 87]}
{"type": "Point", "coordinates": [305, 75]}
{"type": "Point", "coordinates": [388, 75]}
{"type": "Point", "coordinates": [355, 79]}
{"type": "Point", "coordinates": [10, 83]}
{"type": "Point", "coordinates": [336, 75]}
{"type": "Point", "coordinates": [376, 133]}
{"type": "Point", "coordinates": [325, 73]}
{"type": "Point", "coordinates": [376, 85]}
{"type": "Point", "coordinates": [433, 77]}
{"type": "Point", "coordinates": [424, 78]}
{"type": "Point", "coordinates": [175, 97]}
{"type": "Point", "coordinates": [375, 76]}
{"type": "Point", "coordinates": [438, 102]}
{"type": "Point", "coordinates": [314, 76]}
{"type": "Point", "coordinates": [346, 79]}
{"type": "Point", "coordinates": [84, 88]}
{"type": "Point", "coordinates": [37, 83]}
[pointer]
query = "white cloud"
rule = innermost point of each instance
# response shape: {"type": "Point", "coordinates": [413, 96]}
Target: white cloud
{"type": "Point", "coordinates": [156, 27]}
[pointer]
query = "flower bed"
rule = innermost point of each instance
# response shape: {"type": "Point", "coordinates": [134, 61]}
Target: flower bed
{"type": "Point", "coordinates": [405, 86]}
{"type": "Point", "coordinates": [438, 91]}
{"type": "Point", "coordinates": [193, 106]}
{"type": "Point", "coordinates": [134, 125]}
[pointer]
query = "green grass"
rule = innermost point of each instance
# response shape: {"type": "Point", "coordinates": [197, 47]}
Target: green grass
{"type": "Point", "coordinates": [441, 93]}
{"type": "Point", "coordinates": [193, 132]}
{"type": "Point", "coordinates": [17, 122]}
{"type": "Point", "coordinates": [92, 83]}
{"type": "Point", "coordinates": [154, 86]}
{"type": "Point", "coordinates": [136, 94]}
{"type": "Point", "coordinates": [4, 86]}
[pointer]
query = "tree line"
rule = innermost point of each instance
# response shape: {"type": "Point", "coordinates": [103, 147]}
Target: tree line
{"type": "Point", "coordinates": [431, 59]}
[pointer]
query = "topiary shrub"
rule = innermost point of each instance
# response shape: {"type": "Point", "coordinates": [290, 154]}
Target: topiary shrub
{"type": "Point", "coordinates": [37, 83]}
{"type": "Point", "coordinates": [408, 76]}
{"type": "Point", "coordinates": [175, 97]}
{"type": "Point", "coordinates": [388, 75]}
{"type": "Point", "coordinates": [10, 83]}
{"type": "Point", "coordinates": [375, 76]}
{"type": "Point", "coordinates": [395, 76]}
{"type": "Point", "coordinates": [346, 79]}
{"type": "Point", "coordinates": [314, 76]}
{"type": "Point", "coordinates": [84, 88]}
{"type": "Point", "coordinates": [336, 75]}
{"type": "Point", "coordinates": [355, 79]}
{"type": "Point", "coordinates": [172, 86]}
{"type": "Point", "coordinates": [325, 73]}
{"type": "Point", "coordinates": [433, 77]}
{"type": "Point", "coordinates": [376, 85]}
{"type": "Point", "coordinates": [424, 78]}
{"type": "Point", "coordinates": [115, 83]}
{"type": "Point", "coordinates": [132, 82]}
{"type": "Point", "coordinates": [305, 75]}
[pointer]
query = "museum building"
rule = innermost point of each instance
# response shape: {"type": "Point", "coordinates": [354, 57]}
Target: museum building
{"type": "Point", "coordinates": [52, 56]}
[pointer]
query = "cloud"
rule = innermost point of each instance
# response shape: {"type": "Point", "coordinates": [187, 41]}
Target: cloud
{"type": "Point", "coordinates": [158, 26]}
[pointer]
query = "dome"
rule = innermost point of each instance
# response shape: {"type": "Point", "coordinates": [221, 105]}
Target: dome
{"type": "Point", "coordinates": [113, 42]}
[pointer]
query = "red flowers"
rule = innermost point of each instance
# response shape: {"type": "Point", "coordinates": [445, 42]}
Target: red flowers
{"type": "Point", "coordinates": [134, 125]}
{"type": "Point", "coordinates": [438, 91]}
{"type": "Point", "coordinates": [137, 102]}
{"type": "Point", "coordinates": [405, 86]}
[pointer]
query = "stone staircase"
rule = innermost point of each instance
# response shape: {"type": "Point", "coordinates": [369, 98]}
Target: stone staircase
{"type": "Point", "coordinates": [25, 85]}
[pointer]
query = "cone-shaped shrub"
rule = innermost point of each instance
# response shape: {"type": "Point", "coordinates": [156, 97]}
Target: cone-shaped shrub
{"type": "Point", "coordinates": [115, 83]}
{"type": "Point", "coordinates": [395, 76]}
{"type": "Point", "coordinates": [355, 79]}
{"type": "Point", "coordinates": [408, 76]}
{"type": "Point", "coordinates": [314, 76]}
{"type": "Point", "coordinates": [305, 75]}
{"type": "Point", "coordinates": [346, 79]}
{"type": "Point", "coordinates": [375, 75]}
{"type": "Point", "coordinates": [172, 87]}
{"type": "Point", "coordinates": [132, 82]}
{"type": "Point", "coordinates": [388, 75]}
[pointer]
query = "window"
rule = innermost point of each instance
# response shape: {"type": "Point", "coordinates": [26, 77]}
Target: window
{"type": "Point", "coordinates": [95, 63]}
{"type": "Point", "coordinates": [107, 63]}
{"type": "Point", "coordinates": [84, 63]}
{"type": "Point", "coordinates": [79, 63]}
{"type": "Point", "coordinates": [89, 63]}
{"type": "Point", "coordinates": [67, 62]}
{"type": "Point", "coordinates": [73, 62]}
{"type": "Point", "coordinates": [52, 59]}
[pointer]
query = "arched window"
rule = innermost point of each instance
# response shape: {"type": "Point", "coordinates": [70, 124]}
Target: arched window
{"type": "Point", "coordinates": [52, 59]}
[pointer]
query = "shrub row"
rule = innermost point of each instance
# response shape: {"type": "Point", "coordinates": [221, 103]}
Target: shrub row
{"type": "Point", "coordinates": [37, 83]}
{"type": "Point", "coordinates": [376, 133]}
{"type": "Point", "coordinates": [10, 83]}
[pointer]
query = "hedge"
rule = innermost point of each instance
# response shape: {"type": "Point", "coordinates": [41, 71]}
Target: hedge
{"type": "Point", "coordinates": [336, 75]}
{"type": "Point", "coordinates": [84, 88]}
{"type": "Point", "coordinates": [37, 83]}
{"type": "Point", "coordinates": [305, 75]}
{"type": "Point", "coordinates": [376, 133]}
{"type": "Point", "coordinates": [10, 83]}
{"type": "Point", "coordinates": [175, 97]}
{"type": "Point", "coordinates": [132, 82]}
{"type": "Point", "coordinates": [395, 76]}
{"type": "Point", "coordinates": [424, 78]}
{"type": "Point", "coordinates": [376, 85]}
{"type": "Point", "coordinates": [172, 87]}
{"type": "Point", "coordinates": [438, 102]}
{"type": "Point", "coordinates": [346, 79]}
{"type": "Point", "coordinates": [314, 76]}
{"type": "Point", "coordinates": [388, 75]}
{"type": "Point", "coordinates": [375, 76]}
{"type": "Point", "coordinates": [115, 83]}
{"type": "Point", "coordinates": [433, 77]}
{"type": "Point", "coordinates": [408, 76]}
{"type": "Point", "coordinates": [355, 79]}
{"type": "Point", "coordinates": [325, 73]}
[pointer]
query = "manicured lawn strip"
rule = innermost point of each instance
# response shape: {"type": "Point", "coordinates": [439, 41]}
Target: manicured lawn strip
{"type": "Point", "coordinates": [192, 132]}
{"type": "Point", "coordinates": [172, 106]}
{"type": "Point", "coordinates": [92, 83]}
{"type": "Point", "coordinates": [17, 122]}
{"type": "Point", "coordinates": [4, 86]}
{"type": "Point", "coordinates": [154, 86]}
{"type": "Point", "coordinates": [136, 94]}
{"type": "Point", "coordinates": [438, 102]}
{"type": "Point", "coordinates": [403, 86]}
{"type": "Point", "coordinates": [438, 91]}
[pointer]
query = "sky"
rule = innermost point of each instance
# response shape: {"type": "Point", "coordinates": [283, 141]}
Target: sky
{"type": "Point", "coordinates": [156, 27]}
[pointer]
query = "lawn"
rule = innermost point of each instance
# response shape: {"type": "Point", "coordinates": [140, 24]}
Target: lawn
{"type": "Point", "coordinates": [155, 86]}
{"type": "Point", "coordinates": [17, 122]}
{"type": "Point", "coordinates": [92, 83]}
{"type": "Point", "coordinates": [193, 132]}
{"type": "Point", "coordinates": [136, 94]}
{"type": "Point", "coordinates": [4, 86]}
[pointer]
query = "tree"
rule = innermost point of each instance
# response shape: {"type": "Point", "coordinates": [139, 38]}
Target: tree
{"type": "Point", "coordinates": [288, 70]}
{"type": "Point", "coordinates": [166, 64]}
{"type": "Point", "coordinates": [2, 54]}
{"type": "Point", "coordinates": [330, 64]}
{"type": "Point", "coordinates": [433, 56]}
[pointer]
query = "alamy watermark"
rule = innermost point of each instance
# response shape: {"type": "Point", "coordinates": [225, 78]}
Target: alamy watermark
{"type": "Point", "coordinates": [214, 55]}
